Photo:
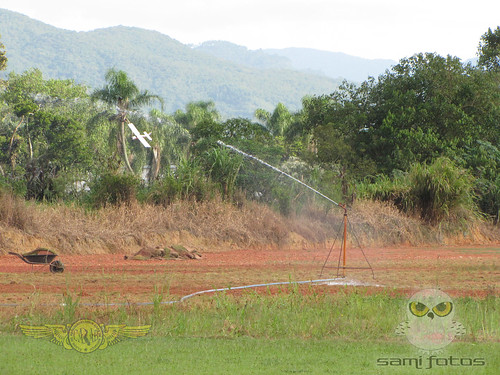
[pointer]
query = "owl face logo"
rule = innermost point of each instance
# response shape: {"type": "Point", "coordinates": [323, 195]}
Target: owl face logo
{"type": "Point", "coordinates": [430, 325]}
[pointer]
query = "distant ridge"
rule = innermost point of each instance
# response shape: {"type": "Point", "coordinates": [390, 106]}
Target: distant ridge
{"type": "Point", "coordinates": [238, 80]}
{"type": "Point", "coordinates": [335, 65]}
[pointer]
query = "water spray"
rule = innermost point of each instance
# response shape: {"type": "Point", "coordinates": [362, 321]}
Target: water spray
{"type": "Point", "coordinates": [280, 171]}
{"type": "Point", "coordinates": [320, 281]}
{"type": "Point", "coordinates": [343, 206]}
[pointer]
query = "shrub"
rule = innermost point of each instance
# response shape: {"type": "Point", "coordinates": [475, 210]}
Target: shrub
{"type": "Point", "coordinates": [223, 168]}
{"type": "Point", "coordinates": [434, 192]}
{"type": "Point", "coordinates": [441, 190]}
{"type": "Point", "coordinates": [186, 182]}
{"type": "Point", "coordinates": [115, 189]}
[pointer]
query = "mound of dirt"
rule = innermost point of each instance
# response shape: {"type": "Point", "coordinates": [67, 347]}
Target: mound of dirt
{"type": "Point", "coordinates": [169, 252]}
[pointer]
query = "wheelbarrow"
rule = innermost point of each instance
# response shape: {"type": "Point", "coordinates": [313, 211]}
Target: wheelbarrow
{"type": "Point", "coordinates": [42, 256]}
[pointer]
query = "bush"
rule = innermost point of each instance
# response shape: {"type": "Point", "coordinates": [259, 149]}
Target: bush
{"type": "Point", "coordinates": [115, 189]}
{"type": "Point", "coordinates": [434, 192]}
{"type": "Point", "coordinates": [441, 190]}
{"type": "Point", "coordinates": [489, 193]}
{"type": "Point", "coordinates": [223, 168]}
{"type": "Point", "coordinates": [186, 182]}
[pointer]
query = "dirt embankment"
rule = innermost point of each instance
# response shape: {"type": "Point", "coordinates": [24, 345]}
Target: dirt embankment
{"type": "Point", "coordinates": [125, 230]}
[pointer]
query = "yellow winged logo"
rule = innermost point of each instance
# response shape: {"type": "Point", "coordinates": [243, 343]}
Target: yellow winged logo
{"type": "Point", "coordinates": [116, 333]}
{"type": "Point", "coordinates": [55, 333]}
{"type": "Point", "coordinates": [85, 335]}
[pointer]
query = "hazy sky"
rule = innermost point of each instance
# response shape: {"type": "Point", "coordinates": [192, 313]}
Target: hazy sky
{"type": "Point", "coordinates": [367, 28]}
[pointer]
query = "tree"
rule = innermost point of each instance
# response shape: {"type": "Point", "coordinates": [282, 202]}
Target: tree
{"type": "Point", "coordinates": [172, 142]}
{"type": "Point", "coordinates": [197, 113]}
{"type": "Point", "coordinates": [60, 146]}
{"type": "Point", "coordinates": [429, 105]}
{"type": "Point", "coordinates": [338, 126]}
{"type": "Point", "coordinates": [46, 141]}
{"type": "Point", "coordinates": [489, 50]}
{"type": "Point", "coordinates": [3, 58]}
{"type": "Point", "coordinates": [277, 122]}
{"type": "Point", "coordinates": [26, 95]}
{"type": "Point", "coordinates": [123, 93]}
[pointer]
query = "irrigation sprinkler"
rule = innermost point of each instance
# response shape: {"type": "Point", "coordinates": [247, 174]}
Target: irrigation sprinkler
{"type": "Point", "coordinates": [342, 254]}
{"type": "Point", "coordinates": [279, 171]}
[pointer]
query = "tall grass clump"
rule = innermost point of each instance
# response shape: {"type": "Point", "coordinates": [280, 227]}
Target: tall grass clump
{"type": "Point", "coordinates": [440, 191]}
{"type": "Point", "coordinates": [223, 168]}
{"type": "Point", "coordinates": [14, 211]}
{"type": "Point", "coordinates": [435, 192]}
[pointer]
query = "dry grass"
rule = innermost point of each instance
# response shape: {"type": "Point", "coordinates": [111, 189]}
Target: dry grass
{"type": "Point", "coordinates": [74, 230]}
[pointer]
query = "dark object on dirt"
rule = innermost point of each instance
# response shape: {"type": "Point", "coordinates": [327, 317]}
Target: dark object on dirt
{"type": "Point", "coordinates": [171, 252]}
{"type": "Point", "coordinates": [41, 256]}
{"type": "Point", "coordinates": [56, 266]}
{"type": "Point", "coordinates": [179, 251]}
{"type": "Point", "coordinates": [148, 253]}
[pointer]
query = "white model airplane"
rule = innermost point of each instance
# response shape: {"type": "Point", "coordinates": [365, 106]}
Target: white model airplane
{"type": "Point", "coordinates": [140, 136]}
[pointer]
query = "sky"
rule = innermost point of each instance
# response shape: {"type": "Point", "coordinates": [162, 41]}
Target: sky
{"type": "Point", "coordinates": [388, 29]}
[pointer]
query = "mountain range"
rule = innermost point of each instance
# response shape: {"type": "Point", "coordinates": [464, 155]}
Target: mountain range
{"type": "Point", "coordinates": [237, 79]}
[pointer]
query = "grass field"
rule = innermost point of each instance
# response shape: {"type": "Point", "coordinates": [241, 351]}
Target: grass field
{"type": "Point", "coordinates": [241, 355]}
{"type": "Point", "coordinates": [291, 330]}
{"type": "Point", "coordinates": [286, 329]}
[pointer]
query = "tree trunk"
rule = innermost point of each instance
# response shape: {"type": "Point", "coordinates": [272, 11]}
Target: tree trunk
{"type": "Point", "coordinates": [9, 151]}
{"type": "Point", "coordinates": [155, 164]}
{"type": "Point", "coordinates": [14, 134]}
{"type": "Point", "coordinates": [124, 147]}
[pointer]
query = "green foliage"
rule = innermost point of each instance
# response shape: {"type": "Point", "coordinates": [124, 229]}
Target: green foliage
{"type": "Point", "coordinates": [187, 182]}
{"type": "Point", "coordinates": [178, 73]}
{"type": "Point", "coordinates": [121, 92]}
{"type": "Point", "coordinates": [425, 108]}
{"type": "Point", "coordinates": [278, 122]}
{"type": "Point", "coordinates": [415, 118]}
{"type": "Point", "coordinates": [45, 133]}
{"type": "Point", "coordinates": [489, 50]}
{"type": "Point", "coordinates": [386, 189]}
{"type": "Point", "coordinates": [3, 58]}
{"type": "Point", "coordinates": [483, 160]}
{"type": "Point", "coordinates": [172, 139]}
{"type": "Point", "coordinates": [436, 192]}
{"type": "Point", "coordinates": [441, 190]}
{"type": "Point", "coordinates": [197, 113]}
{"type": "Point", "coordinates": [428, 106]}
{"type": "Point", "coordinates": [114, 189]}
{"type": "Point", "coordinates": [223, 167]}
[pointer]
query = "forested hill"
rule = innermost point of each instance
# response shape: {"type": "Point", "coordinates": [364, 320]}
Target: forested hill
{"type": "Point", "coordinates": [177, 72]}
{"type": "Point", "coordinates": [335, 65]}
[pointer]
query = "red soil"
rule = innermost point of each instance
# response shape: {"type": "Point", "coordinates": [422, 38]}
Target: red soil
{"type": "Point", "coordinates": [471, 270]}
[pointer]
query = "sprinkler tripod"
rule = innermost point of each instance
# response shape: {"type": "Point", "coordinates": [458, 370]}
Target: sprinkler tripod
{"type": "Point", "coordinates": [343, 252]}
{"type": "Point", "coordinates": [343, 206]}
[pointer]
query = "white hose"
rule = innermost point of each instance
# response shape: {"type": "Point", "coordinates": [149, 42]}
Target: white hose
{"type": "Point", "coordinates": [184, 298]}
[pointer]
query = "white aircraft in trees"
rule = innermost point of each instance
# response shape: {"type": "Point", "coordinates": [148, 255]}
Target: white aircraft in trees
{"type": "Point", "coordinates": [140, 136]}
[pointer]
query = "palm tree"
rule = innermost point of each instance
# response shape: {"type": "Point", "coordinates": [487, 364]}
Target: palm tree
{"type": "Point", "coordinates": [197, 113]}
{"type": "Point", "coordinates": [121, 92]}
{"type": "Point", "coordinates": [277, 122]}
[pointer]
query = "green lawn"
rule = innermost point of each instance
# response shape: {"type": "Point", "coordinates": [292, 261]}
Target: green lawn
{"type": "Point", "coordinates": [242, 355]}
{"type": "Point", "coordinates": [284, 333]}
